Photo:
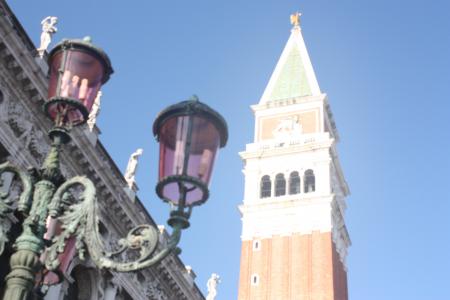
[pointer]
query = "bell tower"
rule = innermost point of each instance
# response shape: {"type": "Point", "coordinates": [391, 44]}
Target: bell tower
{"type": "Point", "coordinates": [294, 238]}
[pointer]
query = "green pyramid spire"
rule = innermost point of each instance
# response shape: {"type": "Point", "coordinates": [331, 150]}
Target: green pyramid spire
{"type": "Point", "coordinates": [292, 81]}
{"type": "Point", "coordinates": [293, 76]}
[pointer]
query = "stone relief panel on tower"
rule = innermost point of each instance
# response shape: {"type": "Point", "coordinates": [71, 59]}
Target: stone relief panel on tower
{"type": "Point", "coordinates": [288, 126]}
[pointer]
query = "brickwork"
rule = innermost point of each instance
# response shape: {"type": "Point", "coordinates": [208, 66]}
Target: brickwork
{"type": "Point", "coordinates": [339, 278]}
{"type": "Point", "coordinates": [296, 267]}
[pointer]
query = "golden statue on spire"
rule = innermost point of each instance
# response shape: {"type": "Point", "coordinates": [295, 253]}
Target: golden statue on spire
{"type": "Point", "coordinates": [295, 19]}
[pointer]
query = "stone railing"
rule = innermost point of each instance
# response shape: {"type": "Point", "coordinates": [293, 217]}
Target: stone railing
{"type": "Point", "coordinates": [283, 143]}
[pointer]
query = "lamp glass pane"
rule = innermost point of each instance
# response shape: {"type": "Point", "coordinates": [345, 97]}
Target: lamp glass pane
{"type": "Point", "coordinates": [181, 155]}
{"type": "Point", "coordinates": [65, 258]}
{"type": "Point", "coordinates": [79, 79]}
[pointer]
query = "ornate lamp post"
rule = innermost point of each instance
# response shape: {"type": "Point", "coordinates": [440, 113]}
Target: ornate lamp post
{"type": "Point", "coordinates": [61, 216]}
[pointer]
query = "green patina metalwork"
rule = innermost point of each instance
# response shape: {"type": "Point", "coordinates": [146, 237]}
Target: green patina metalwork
{"type": "Point", "coordinates": [67, 101]}
{"type": "Point", "coordinates": [7, 202]}
{"type": "Point", "coordinates": [30, 244]}
{"type": "Point", "coordinates": [292, 81]}
{"type": "Point", "coordinates": [49, 195]}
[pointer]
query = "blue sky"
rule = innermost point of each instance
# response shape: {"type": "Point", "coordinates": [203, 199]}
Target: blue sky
{"type": "Point", "coordinates": [386, 68]}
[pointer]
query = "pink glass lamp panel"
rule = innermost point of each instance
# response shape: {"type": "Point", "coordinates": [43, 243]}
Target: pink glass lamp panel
{"type": "Point", "coordinates": [172, 147]}
{"type": "Point", "coordinates": [204, 145]}
{"type": "Point", "coordinates": [65, 258]}
{"type": "Point", "coordinates": [205, 140]}
{"type": "Point", "coordinates": [80, 80]}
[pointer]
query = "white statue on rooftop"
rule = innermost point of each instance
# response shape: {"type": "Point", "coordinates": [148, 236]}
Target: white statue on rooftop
{"type": "Point", "coordinates": [132, 167]}
{"type": "Point", "coordinates": [212, 283]}
{"type": "Point", "coordinates": [92, 119]}
{"type": "Point", "coordinates": [48, 29]}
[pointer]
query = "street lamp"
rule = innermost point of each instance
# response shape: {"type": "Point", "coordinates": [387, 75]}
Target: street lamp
{"type": "Point", "coordinates": [61, 216]}
{"type": "Point", "coordinates": [77, 71]}
{"type": "Point", "coordinates": [189, 133]}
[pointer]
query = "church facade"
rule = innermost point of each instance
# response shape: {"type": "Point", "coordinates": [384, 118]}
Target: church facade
{"type": "Point", "coordinates": [294, 238]}
{"type": "Point", "coordinates": [24, 142]}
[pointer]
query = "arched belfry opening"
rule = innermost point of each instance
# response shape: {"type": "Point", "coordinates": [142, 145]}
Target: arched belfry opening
{"type": "Point", "coordinates": [310, 181]}
{"type": "Point", "coordinates": [280, 185]}
{"type": "Point", "coordinates": [294, 183]}
{"type": "Point", "coordinates": [265, 187]}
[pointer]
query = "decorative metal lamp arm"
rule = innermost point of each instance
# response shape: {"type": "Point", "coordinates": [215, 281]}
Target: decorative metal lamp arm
{"type": "Point", "coordinates": [7, 202]}
{"type": "Point", "coordinates": [38, 189]}
{"type": "Point", "coordinates": [25, 198]}
{"type": "Point", "coordinates": [80, 221]}
{"type": "Point", "coordinates": [146, 242]}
